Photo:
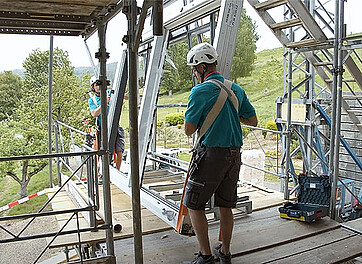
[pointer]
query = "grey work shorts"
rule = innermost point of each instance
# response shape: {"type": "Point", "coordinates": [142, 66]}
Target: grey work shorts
{"type": "Point", "coordinates": [217, 172]}
{"type": "Point", "coordinates": [120, 140]}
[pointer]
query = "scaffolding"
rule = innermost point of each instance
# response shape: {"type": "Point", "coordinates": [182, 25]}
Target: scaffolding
{"type": "Point", "coordinates": [312, 108]}
{"type": "Point", "coordinates": [321, 103]}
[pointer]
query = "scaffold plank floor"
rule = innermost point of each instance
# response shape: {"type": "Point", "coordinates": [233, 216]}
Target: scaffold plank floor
{"type": "Point", "coordinates": [122, 214]}
{"type": "Point", "coordinates": [260, 237]}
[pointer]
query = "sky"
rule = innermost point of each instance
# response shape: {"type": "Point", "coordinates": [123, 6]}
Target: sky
{"type": "Point", "coordinates": [16, 48]}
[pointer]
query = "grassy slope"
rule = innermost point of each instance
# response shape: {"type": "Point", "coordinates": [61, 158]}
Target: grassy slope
{"type": "Point", "coordinates": [264, 103]}
{"type": "Point", "coordinates": [9, 190]}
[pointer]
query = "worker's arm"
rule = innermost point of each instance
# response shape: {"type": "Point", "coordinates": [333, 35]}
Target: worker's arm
{"type": "Point", "coordinates": [190, 128]}
{"type": "Point", "coordinates": [96, 112]}
{"type": "Point", "coordinates": [251, 121]}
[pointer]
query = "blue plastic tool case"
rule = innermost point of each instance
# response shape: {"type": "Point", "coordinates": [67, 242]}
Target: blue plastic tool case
{"type": "Point", "coordinates": [313, 200]}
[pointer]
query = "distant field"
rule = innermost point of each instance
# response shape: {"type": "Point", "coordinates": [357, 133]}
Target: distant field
{"type": "Point", "coordinates": [263, 101]}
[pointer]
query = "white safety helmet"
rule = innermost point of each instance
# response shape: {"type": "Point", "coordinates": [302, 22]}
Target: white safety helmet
{"type": "Point", "coordinates": [93, 80]}
{"type": "Point", "coordinates": [201, 53]}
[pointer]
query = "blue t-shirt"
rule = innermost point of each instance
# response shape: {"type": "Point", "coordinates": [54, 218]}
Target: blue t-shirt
{"type": "Point", "coordinates": [226, 129]}
{"type": "Point", "coordinates": [94, 102]}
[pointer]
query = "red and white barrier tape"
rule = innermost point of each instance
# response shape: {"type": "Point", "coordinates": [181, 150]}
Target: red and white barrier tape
{"type": "Point", "coordinates": [22, 200]}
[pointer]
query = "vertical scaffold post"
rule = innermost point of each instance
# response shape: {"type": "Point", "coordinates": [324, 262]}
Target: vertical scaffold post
{"type": "Point", "coordinates": [289, 117]}
{"type": "Point", "coordinates": [337, 103]}
{"type": "Point", "coordinates": [130, 8]}
{"type": "Point", "coordinates": [56, 131]}
{"type": "Point", "coordinates": [50, 90]}
{"type": "Point", "coordinates": [102, 56]}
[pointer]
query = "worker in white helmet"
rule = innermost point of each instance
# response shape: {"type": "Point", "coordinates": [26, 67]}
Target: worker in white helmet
{"type": "Point", "coordinates": [215, 168]}
{"type": "Point", "coordinates": [95, 109]}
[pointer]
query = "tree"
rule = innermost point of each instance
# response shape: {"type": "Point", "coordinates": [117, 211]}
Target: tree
{"type": "Point", "coordinates": [69, 98]}
{"type": "Point", "coordinates": [26, 132]}
{"type": "Point", "coordinates": [244, 55]}
{"type": "Point", "coordinates": [11, 88]}
{"type": "Point", "coordinates": [179, 79]}
{"type": "Point", "coordinates": [20, 138]}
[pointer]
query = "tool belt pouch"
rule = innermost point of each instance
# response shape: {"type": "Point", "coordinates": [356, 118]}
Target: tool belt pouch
{"type": "Point", "coordinates": [195, 185]}
{"type": "Point", "coordinates": [197, 156]}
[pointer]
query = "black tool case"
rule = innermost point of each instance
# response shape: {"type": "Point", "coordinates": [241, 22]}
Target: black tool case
{"type": "Point", "coordinates": [313, 200]}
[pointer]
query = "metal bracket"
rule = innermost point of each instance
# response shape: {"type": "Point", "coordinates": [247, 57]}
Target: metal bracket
{"type": "Point", "coordinates": [98, 55]}
{"type": "Point", "coordinates": [125, 39]}
{"type": "Point", "coordinates": [126, 10]}
{"type": "Point", "coordinates": [338, 70]}
{"type": "Point", "coordinates": [99, 82]}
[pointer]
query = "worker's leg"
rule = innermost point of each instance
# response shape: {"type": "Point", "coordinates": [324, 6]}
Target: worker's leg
{"type": "Point", "coordinates": [119, 155]}
{"type": "Point", "coordinates": [226, 228]}
{"type": "Point", "coordinates": [119, 147]}
{"type": "Point", "coordinates": [200, 225]}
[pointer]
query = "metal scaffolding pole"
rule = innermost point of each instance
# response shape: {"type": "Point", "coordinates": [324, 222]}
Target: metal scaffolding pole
{"type": "Point", "coordinates": [50, 91]}
{"type": "Point", "coordinates": [288, 128]}
{"type": "Point", "coordinates": [337, 106]}
{"type": "Point", "coordinates": [102, 56]}
{"type": "Point", "coordinates": [56, 131]}
{"type": "Point", "coordinates": [95, 71]}
{"type": "Point", "coordinates": [131, 11]}
{"type": "Point", "coordinates": [289, 119]}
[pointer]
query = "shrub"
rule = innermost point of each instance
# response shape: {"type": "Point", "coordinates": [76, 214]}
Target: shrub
{"type": "Point", "coordinates": [271, 125]}
{"type": "Point", "coordinates": [245, 131]}
{"type": "Point", "coordinates": [174, 119]}
{"type": "Point", "coordinates": [293, 145]}
{"type": "Point", "coordinates": [159, 124]}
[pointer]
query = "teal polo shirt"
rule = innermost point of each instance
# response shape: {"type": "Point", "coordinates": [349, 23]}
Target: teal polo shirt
{"type": "Point", "coordinates": [94, 102]}
{"type": "Point", "coordinates": [226, 130]}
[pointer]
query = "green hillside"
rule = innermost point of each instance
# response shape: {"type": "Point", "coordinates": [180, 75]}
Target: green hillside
{"type": "Point", "coordinates": [266, 75]}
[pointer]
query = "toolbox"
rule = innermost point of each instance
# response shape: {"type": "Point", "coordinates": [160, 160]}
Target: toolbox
{"type": "Point", "coordinates": [313, 199]}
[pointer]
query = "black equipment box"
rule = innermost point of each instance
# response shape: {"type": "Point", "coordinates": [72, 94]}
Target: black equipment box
{"type": "Point", "coordinates": [313, 200]}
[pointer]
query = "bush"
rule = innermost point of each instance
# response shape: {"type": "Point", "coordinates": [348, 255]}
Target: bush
{"type": "Point", "coordinates": [174, 119]}
{"type": "Point", "coordinates": [293, 145]}
{"type": "Point", "coordinates": [271, 125]}
{"type": "Point", "coordinates": [245, 131]}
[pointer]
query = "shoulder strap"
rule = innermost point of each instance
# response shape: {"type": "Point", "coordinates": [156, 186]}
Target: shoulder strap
{"type": "Point", "coordinates": [226, 85]}
{"type": "Point", "coordinates": [225, 92]}
{"type": "Point", "coordinates": [94, 100]}
{"type": "Point", "coordinates": [95, 103]}
{"type": "Point", "coordinates": [211, 116]}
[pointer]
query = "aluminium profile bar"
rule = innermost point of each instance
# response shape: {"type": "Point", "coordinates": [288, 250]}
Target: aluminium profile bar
{"type": "Point", "coordinates": [52, 234]}
{"type": "Point", "coordinates": [198, 9]}
{"type": "Point", "coordinates": [47, 156]}
{"type": "Point", "coordinates": [164, 209]}
{"type": "Point", "coordinates": [46, 213]}
{"type": "Point", "coordinates": [187, 14]}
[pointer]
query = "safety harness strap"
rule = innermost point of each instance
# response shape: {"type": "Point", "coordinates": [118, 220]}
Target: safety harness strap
{"type": "Point", "coordinates": [225, 92]}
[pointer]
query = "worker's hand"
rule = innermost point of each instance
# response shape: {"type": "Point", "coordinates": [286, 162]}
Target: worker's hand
{"type": "Point", "coordinates": [125, 97]}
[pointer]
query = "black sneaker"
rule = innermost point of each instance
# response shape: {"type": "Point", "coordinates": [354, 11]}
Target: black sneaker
{"type": "Point", "coordinates": [224, 258]}
{"type": "Point", "coordinates": [200, 260]}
